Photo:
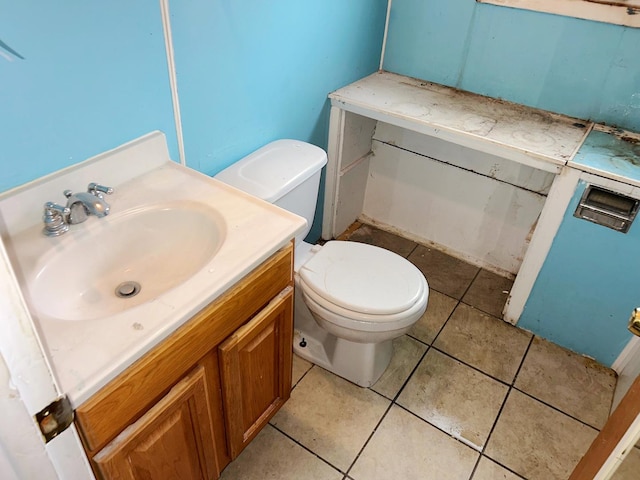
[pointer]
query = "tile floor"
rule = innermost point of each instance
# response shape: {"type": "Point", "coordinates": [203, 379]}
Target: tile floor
{"type": "Point", "coordinates": [467, 396]}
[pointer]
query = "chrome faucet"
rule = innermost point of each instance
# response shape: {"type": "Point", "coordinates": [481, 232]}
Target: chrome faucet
{"type": "Point", "coordinates": [80, 205]}
{"type": "Point", "coordinates": [91, 202]}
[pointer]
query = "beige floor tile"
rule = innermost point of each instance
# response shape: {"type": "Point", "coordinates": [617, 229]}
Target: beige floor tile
{"type": "Point", "coordinates": [300, 367]}
{"type": "Point", "coordinates": [487, 343]}
{"type": "Point", "coordinates": [380, 238]}
{"type": "Point", "coordinates": [273, 455]}
{"type": "Point", "coordinates": [454, 397]}
{"type": "Point", "coordinates": [629, 469]}
{"type": "Point", "coordinates": [331, 416]}
{"type": "Point", "coordinates": [407, 352]}
{"type": "Point", "coordinates": [570, 382]}
{"type": "Point", "coordinates": [439, 308]}
{"type": "Point", "coordinates": [537, 441]}
{"type": "Point", "coordinates": [404, 447]}
{"type": "Point", "coordinates": [488, 293]}
{"type": "Point", "coordinates": [490, 470]}
{"type": "Point", "coordinates": [445, 274]}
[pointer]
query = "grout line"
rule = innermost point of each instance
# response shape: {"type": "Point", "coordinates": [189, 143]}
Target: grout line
{"type": "Point", "coordinates": [556, 409]}
{"type": "Point", "coordinates": [303, 375]}
{"type": "Point", "coordinates": [444, 324]}
{"type": "Point", "coordinates": [504, 402]}
{"type": "Point", "coordinates": [502, 465]}
{"type": "Point", "coordinates": [513, 385]}
{"type": "Point", "coordinates": [307, 449]}
{"type": "Point", "coordinates": [375, 429]}
{"type": "Point", "coordinates": [413, 250]}
{"type": "Point", "coordinates": [526, 352]}
{"type": "Point", "coordinates": [411, 374]}
{"type": "Point", "coordinates": [488, 313]}
{"type": "Point", "coordinates": [470, 284]}
{"type": "Point", "coordinates": [475, 467]}
{"type": "Point", "coordinates": [506, 384]}
{"type": "Point", "coordinates": [437, 428]}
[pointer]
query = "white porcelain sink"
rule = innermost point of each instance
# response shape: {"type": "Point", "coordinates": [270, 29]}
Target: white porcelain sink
{"type": "Point", "coordinates": [125, 260]}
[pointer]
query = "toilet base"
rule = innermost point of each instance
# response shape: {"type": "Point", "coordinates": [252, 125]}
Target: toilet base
{"type": "Point", "coordinates": [360, 363]}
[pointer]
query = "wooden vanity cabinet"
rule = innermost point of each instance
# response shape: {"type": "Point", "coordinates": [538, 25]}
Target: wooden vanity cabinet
{"type": "Point", "coordinates": [190, 405]}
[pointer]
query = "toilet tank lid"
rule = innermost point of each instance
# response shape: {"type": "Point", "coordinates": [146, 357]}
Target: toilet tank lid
{"type": "Point", "coordinates": [274, 170]}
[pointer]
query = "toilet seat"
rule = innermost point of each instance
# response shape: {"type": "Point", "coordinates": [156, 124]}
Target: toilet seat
{"type": "Point", "coordinates": [365, 284]}
{"type": "Point", "coordinates": [364, 322]}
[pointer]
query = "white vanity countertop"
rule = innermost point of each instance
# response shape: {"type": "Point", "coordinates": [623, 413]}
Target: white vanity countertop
{"type": "Point", "coordinates": [534, 137]}
{"type": "Point", "coordinates": [86, 354]}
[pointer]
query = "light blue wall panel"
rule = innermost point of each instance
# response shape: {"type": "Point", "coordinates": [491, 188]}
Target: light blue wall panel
{"type": "Point", "coordinates": [623, 77]}
{"type": "Point", "coordinates": [510, 58]}
{"type": "Point", "coordinates": [94, 76]}
{"type": "Point", "coordinates": [577, 67]}
{"type": "Point", "coordinates": [587, 288]}
{"type": "Point", "coordinates": [250, 71]}
{"type": "Point", "coordinates": [429, 39]}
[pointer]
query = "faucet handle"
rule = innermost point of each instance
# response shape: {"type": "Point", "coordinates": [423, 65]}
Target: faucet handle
{"type": "Point", "coordinates": [50, 208]}
{"type": "Point", "coordinates": [54, 219]}
{"type": "Point", "coordinates": [97, 189]}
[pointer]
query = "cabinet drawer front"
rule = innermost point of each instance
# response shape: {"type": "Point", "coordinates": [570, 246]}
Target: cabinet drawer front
{"type": "Point", "coordinates": [256, 371]}
{"type": "Point", "coordinates": [126, 398]}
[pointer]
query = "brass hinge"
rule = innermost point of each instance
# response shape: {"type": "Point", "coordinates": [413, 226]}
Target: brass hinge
{"type": "Point", "coordinates": [55, 418]}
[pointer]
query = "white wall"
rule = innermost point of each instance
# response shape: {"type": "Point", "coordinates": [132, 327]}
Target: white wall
{"type": "Point", "coordinates": [476, 206]}
{"type": "Point", "coordinates": [22, 452]}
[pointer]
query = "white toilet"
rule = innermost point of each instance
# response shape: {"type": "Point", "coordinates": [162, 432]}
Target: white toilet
{"type": "Point", "coordinates": [351, 299]}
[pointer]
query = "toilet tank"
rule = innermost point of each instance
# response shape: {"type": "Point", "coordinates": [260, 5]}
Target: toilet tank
{"type": "Point", "coordinates": [285, 173]}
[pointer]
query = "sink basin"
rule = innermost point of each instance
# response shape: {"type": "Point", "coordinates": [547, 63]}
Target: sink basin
{"type": "Point", "coordinates": [125, 260]}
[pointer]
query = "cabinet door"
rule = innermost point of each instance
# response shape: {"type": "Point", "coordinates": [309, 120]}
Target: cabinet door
{"type": "Point", "coordinates": [174, 439]}
{"type": "Point", "coordinates": [255, 367]}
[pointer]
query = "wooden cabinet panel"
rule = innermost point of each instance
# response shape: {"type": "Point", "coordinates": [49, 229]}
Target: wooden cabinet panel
{"type": "Point", "coordinates": [174, 439]}
{"type": "Point", "coordinates": [255, 367]}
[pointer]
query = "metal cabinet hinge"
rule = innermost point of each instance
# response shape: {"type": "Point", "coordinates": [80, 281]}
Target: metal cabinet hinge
{"type": "Point", "coordinates": [55, 418]}
{"type": "Point", "coordinates": [634, 322]}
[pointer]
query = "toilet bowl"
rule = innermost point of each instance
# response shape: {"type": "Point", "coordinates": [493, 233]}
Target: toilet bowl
{"type": "Point", "coordinates": [351, 299]}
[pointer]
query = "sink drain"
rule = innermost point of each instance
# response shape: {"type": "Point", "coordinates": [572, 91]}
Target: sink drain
{"type": "Point", "coordinates": [128, 289]}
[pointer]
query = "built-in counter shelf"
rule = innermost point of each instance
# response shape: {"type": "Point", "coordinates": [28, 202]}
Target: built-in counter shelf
{"type": "Point", "coordinates": [537, 138]}
{"type": "Point", "coordinates": [610, 153]}
{"type": "Point", "coordinates": [467, 173]}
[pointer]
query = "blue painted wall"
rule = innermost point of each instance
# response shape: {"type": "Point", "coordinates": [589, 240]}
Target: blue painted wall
{"type": "Point", "coordinates": [577, 67]}
{"type": "Point", "coordinates": [587, 288]}
{"type": "Point", "coordinates": [94, 75]}
{"type": "Point", "coordinates": [251, 71]}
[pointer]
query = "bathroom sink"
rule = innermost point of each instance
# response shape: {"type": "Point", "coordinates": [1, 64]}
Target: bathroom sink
{"type": "Point", "coordinates": [183, 236]}
{"type": "Point", "coordinates": [124, 260]}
